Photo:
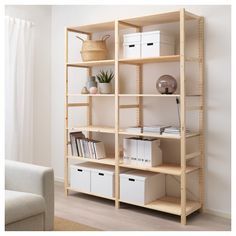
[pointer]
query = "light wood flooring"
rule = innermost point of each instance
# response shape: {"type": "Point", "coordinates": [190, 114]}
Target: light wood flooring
{"type": "Point", "coordinates": [101, 214]}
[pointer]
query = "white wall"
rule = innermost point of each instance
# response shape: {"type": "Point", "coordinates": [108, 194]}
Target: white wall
{"type": "Point", "coordinates": [41, 16]}
{"type": "Point", "coordinates": [217, 55]}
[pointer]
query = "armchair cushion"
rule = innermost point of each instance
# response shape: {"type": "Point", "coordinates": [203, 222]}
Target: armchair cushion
{"type": "Point", "coordinates": [20, 205]}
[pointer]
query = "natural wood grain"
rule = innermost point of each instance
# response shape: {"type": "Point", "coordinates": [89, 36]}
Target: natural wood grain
{"type": "Point", "coordinates": [106, 161]}
{"type": "Point", "coordinates": [101, 129]}
{"type": "Point", "coordinates": [171, 169]}
{"type": "Point", "coordinates": [140, 61]}
{"type": "Point", "coordinates": [88, 64]}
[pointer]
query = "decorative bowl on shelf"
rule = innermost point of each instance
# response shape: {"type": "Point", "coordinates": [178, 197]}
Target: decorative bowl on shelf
{"type": "Point", "coordinates": [166, 84]}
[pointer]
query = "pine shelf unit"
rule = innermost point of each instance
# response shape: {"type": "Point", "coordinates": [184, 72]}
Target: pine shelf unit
{"type": "Point", "coordinates": [180, 206]}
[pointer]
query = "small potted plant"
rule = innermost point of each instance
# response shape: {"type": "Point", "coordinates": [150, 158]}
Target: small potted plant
{"type": "Point", "coordinates": [104, 79]}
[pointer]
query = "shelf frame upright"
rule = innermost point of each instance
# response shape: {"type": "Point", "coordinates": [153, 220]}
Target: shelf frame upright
{"type": "Point", "coordinates": [182, 118]}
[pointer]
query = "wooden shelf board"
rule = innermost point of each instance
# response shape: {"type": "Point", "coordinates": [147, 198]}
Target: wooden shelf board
{"type": "Point", "coordinates": [166, 17]}
{"type": "Point", "coordinates": [170, 205]}
{"type": "Point", "coordinates": [90, 95]}
{"type": "Point", "coordinates": [101, 129]}
{"type": "Point", "coordinates": [89, 193]}
{"type": "Point", "coordinates": [140, 61]}
{"type": "Point", "coordinates": [106, 161]}
{"type": "Point", "coordinates": [149, 95]}
{"type": "Point", "coordinates": [88, 64]}
{"type": "Point", "coordinates": [171, 169]}
{"type": "Point", "coordinates": [161, 18]}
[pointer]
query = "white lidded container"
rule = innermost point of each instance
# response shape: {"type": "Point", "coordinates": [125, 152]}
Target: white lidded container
{"type": "Point", "coordinates": [157, 43]}
{"type": "Point", "coordinates": [102, 181]}
{"type": "Point", "coordinates": [80, 176]}
{"type": "Point", "coordinates": [141, 187]}
{"type": "Point", "coordinates": [132, 45]}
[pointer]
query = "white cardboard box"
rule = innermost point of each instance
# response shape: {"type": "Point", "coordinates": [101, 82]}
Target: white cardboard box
{"type": "Point", "coordinates": [141, 187]}
{"type": "Point", "coordinates": [102, 181]}
{"type": "Point", "coordinates": [131, 45]}
{"type": "Point", "coordinates": [157, 43]}
{"type": "Point", "coordinates": [80, 176]}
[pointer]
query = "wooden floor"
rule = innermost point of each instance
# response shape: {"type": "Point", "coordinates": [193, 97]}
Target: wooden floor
{"type": "Point", "coordinates": [101, 214]}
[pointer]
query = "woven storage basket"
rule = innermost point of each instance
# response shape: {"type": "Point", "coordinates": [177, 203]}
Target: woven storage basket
{"type": "Point", "coordinates": [94, 50]}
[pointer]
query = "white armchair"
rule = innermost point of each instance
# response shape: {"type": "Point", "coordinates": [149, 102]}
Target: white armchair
{"type": "Point", "coordinates": [29, 197]}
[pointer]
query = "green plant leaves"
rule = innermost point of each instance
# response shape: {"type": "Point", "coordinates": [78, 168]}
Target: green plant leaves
{"type": "Point", "coordinates": [105, 76]}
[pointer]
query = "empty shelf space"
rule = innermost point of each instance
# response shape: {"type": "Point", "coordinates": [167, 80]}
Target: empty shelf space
{"type": "Point", "coordinates": [90, 95]}
{"type": "Point", "coordinates": [106, 161]}
{"type": "Point", "coordinates": [88, 64]}
{"type": "Point", "coordinates": [170, 169]}
{"type": "Point", "coordinates": [77, 190]}
{"type": "Point", "coordinates": [140, 61]}
{"type": "Point", "coordinates": [170, 205]}
{"type": "Point", "coordinates": [101, 129]}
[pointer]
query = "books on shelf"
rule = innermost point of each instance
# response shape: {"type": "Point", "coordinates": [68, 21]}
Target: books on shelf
{"type": "Point", "coordinates": [147, 129]}
{"type": "Point", "coordinates": [142, 151]}
{"type": "Point", "coordinates": [174, 130]}
{"type": "Point", "coordinates": [87, 148]}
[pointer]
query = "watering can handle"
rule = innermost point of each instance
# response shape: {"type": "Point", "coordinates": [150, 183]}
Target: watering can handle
{"type": "Point", "coordinates": [80, 38]}
{"type": "Point", "coordinates": [105, 37]}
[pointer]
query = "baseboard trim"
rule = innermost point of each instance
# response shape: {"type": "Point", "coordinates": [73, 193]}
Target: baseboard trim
{"type": "Point", "coordinates": [208, 211]}
{"type": "Point", "coordinates": [59, 179]}
{"type": "Point", "coordinates": [217, 213]}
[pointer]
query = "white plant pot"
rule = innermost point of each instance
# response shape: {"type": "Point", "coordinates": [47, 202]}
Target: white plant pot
{"type": "Point", "coordinates": [105, 88]}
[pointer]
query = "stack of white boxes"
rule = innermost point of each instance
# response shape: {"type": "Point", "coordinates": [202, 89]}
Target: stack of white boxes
{"type": "Point", "coordinates": [141, 187]}
{"type": "Point", "coordinates": [148, 44]}
{"type": "Point", "coordinates": [93, 178]}
{"type": "Point", "coordinates": [144, 152]}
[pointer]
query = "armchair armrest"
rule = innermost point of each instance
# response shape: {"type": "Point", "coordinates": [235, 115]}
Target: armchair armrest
{"type": "Point", "coordinates": [35, 179]}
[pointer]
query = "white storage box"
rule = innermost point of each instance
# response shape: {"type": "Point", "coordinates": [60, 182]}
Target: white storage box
{"type": "Point", "coordinates": [102, 181]}
{"type": "Point", "coordinates": [157, 43]}
{"type": "Point", "coordinates": [141, 187]}
{"type": "Point", "coordinates": [80, 176]}
{"type": "Point", "coordinates": [131, 45]}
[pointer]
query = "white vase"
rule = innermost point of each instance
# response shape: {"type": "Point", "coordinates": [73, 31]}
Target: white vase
{"type": "Point", "coordinates": [105, 88]}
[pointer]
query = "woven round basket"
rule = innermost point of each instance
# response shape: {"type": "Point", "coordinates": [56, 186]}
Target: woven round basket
{"type": "Point", "coordinates": [94, 50]}
{"type": "Point", "coordinates": [94, 55]}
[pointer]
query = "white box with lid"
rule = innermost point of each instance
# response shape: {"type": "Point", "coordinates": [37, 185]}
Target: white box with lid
{"type": "Point", "coordinates": [157, 43]}
{"type": "Point", "coordinates": [102, 181]}
{"type": "Point", "coordinates": [80, 176]}
{"type": "Point", "coordinates": [141, 187]}
{"type": "Point", "coordinates": [132, 45]}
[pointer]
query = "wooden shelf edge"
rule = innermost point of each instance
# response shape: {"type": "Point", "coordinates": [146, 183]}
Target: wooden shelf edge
{"type": "Point", "coordinates": [105, 161]}
{"type": "Point", "coordinates": [169, 169]}
{"type": "Point", "coordinates": [99, 129]}
{"type": "Point", "coordinates": [89, 193]}
{"type": "Point", "coordinates": [91, 63]}
{"type": "Point", "coordinates": [170, 205]}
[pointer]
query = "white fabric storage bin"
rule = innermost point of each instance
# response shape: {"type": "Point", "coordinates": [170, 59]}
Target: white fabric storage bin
{"type": "Point", "coordinates": [141, 187]}
{"type": "Point", "coordinates": [156, 43]}
{"type": "Point", "coordinates": [102, 181]}
{"type": "Point", "coordinates": [131, 45]}
{"type": "Point", "coordinates": [80, 176]}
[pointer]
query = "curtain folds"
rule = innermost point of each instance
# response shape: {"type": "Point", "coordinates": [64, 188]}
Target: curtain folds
{"type": "Point", "coordinates": [19, 62]}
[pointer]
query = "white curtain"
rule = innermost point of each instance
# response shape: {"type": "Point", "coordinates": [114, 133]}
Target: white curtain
{"type": "Point", "coordinates": [19, 64]}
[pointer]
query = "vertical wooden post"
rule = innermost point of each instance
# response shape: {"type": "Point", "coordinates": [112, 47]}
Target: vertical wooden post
{"type": "Point", "coordinates": [117, 168]}
{"type": "Point", "coordinates": [66, 117]}
{"type": "Point", "coordinates": [201, 112]}
{"type": "Point", "coordinates": [182, 117]}
{"type": "Point", "coordinates": [89, 99]}
{"type": "Point", "coordinates": [139, 90]}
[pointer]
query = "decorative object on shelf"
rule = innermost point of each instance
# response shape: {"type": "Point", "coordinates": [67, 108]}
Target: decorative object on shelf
{"type": "Point", "coordinates": [104, 78]}
{"type": "Point", "coordinates": [93, 90]}
{"type": "Point", "coordinates": [91, 82]}
{"type": "Point", "coordinates": [84, 90]}
{"type": "Point", "coordinates": [94, 50]}
{"type": "Point", "coordinates": [166, 84]}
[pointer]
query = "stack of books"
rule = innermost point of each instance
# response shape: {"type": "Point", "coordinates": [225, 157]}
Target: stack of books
{"type": "Point", "coordinates": [174, 130]}
{"type": "Point", "coordinates": [159, 129]}
{"type": "Point", "coordinates": [87, 148]}
{"type": "Point", "coordinates": [142, 151]}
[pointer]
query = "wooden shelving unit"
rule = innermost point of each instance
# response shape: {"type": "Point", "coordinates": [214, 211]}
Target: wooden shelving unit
{"type": "Point", "coordinates": [179, 206]}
